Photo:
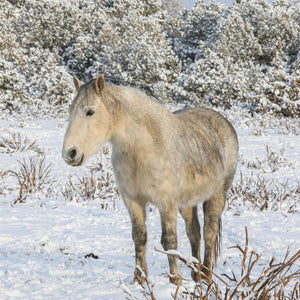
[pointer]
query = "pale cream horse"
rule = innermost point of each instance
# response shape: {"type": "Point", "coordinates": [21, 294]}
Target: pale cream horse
{"type": "Point", "coordinates": [172, 160]}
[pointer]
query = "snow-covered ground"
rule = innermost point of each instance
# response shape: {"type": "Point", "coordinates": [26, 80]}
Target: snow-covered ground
{"type": "Point", "coordinates": [54, 248]}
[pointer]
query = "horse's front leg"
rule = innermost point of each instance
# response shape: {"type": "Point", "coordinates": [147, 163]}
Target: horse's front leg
{"type": "Point", "coordinates": [168, 216]}
{"type": "Point", "coordinates": [137, 214]}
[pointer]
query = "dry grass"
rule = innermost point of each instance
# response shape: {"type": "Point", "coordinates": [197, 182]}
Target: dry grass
{"type": "Point", "coordinates": [277, 280]}
{"type": "Point", "coordinates": [261, 193]}
{"type": "Point", "coordinates": [15, 142]}
{"type": "Point", "coordinates": [147, 285]}
{"type": "Point", "coordinates": [99, 184]}
{"type": "Point", "coordinates": [271, 163]}
{"type": "Point", "coordinates": [90, 187]}
{"type": "Point", "coordinates": [3, 173]}
{"type": "Point", "coordinates": [33, 176]}
{"type": "Point", "coordinates": [263, 188]}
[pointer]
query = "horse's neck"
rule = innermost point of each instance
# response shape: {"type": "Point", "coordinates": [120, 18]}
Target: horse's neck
{"type": "Point", "coordinates": [131, 128]}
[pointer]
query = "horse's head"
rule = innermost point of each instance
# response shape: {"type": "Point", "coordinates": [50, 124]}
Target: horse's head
{"type": "Point", "coordinates": [90, 122]}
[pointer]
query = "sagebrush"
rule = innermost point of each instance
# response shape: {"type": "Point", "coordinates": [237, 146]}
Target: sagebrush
{"type": "Point", "coordinates": [217, 55]}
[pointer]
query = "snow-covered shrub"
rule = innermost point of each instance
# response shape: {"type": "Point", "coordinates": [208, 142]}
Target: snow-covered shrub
{"type": "Point", "coordinates": [130, 47]}
{"type": "Point", "coordinates": [36, 36]}
{"type": "Point", "coordinates": [217, 80]}
{"type": "Point", "coordinates": [31, 75]}
{"type": "Point", "coordinates": [44, 42]}
{"type": "Point", "coordinates": [219, 51]}
{"type": "Point", "coordinates": [276, 27]}
{"type": "Point", "coordinates": [241, 54]}
{"type": "Point", "coordinates": [11, 57]}
{"type": "Point", "coordinates": [200, 26]}
{"type": "Point", "coordinates": [174, 7]}
{"type": "Point", "coordinates": [33, 176]}
{"type": "Point", "coordinates": [247, 53]}
{"type": "Point", "coordinates": [15, 142]}
{"type": "Point", "coordinates": [54, 24]}
{"type": "Point", "coordinates": [134, 49]}
{"type": "Point", "coordinates": [280, 94]}
{"type": "Point", "coordinates": [235, 38]}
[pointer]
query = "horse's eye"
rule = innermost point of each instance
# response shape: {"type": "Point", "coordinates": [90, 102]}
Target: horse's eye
{"type": "Point", "coordinates": [89, 113]}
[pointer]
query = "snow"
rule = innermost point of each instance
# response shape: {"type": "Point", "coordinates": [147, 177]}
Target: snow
{"type": "Point", "coordinates": [52, 248]}
{"type": "Point", "coordinates": [71, 239]}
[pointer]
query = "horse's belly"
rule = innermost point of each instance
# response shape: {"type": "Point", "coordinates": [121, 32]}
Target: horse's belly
{"type": "Point", "coordinates": [198, 189]}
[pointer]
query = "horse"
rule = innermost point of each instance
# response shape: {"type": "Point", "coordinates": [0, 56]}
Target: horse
{"type": "Point", "coordinates": [172, 160]}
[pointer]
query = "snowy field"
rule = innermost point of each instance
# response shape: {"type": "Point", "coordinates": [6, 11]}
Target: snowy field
{"type": "Point", "coordinates": [55, 243]}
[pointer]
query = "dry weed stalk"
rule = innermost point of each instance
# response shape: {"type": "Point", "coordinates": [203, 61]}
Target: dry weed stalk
{"type": "Point", "coordinates": [272, 277]}
{"type": "Point", "coordinates": [3, 173]}
{"type": "Point", "coordinates": [127, 291]}
{"type": "Point", "coordinates": [146, 285]}
{"type": "Point", "coordinates": [275, 278]}
{"type": "Point", "coordinates": [252, 190]}
{"type": "Point", "coordinates": [84, 188]}
{"type": "Point", "coordinates": [263, 193]}
{"type": "Point", "coordinates": [272, 282]}
{"type": "Point", "coordinates": [16, 143]}
{"type": "Point", "coordinates": [271, 163]}
{"type": "Point", "coordinates": [90, 188]}
{"type": "Point", "coordinates": [33, 176]}
{"type": "Point", "coordinates": [207, 285]}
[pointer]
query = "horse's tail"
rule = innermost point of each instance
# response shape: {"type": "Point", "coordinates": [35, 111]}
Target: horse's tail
{"type": "Point", "coordinates": [218, 243]}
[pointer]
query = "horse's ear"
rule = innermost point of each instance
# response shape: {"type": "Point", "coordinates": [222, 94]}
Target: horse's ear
{"type": "Point", "coordinates": [77, 83]}
{"type": "Point", "coordinates": [99, 84]}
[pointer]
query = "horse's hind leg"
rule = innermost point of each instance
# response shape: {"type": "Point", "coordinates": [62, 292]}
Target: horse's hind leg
{"type": "Point", "coordinates": [212, 209]}
{"type": "Point", "coordinates": [137, 214]}
{"type": "Point", "coordinates": [190, 216]}
{"type": "Point", "coordinates": [169, 238]}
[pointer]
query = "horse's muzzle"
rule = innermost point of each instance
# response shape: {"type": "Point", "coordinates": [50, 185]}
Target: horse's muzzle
{"type": "Point", "coordinates": [72, 157]}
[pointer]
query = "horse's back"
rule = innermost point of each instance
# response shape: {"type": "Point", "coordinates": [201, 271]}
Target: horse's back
{"type": "Point", "coordinates": [208, 121]}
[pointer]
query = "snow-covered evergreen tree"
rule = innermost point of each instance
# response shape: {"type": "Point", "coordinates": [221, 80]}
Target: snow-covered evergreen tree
{"type": "Point", "coordinates": [11, 60]}
{"type": "Point", "coordinates": [200, 26]}
{"type": "Point", "coordinates": [275, 26]}
{"type": "Point", "coordinates": [134, 50]}
{"type": "Point", "coordinates": [231, 55]}
{"type": "Point", "coordinates": [34, 37]}
{"type": "Point", "coordinates": [214, 54]}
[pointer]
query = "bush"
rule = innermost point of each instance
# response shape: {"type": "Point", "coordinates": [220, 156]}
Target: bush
{"type": "Point", "coordinates": [15, 142]}
{"type": "Point", "coordinates": [279, 95]}
{"type": "Point", "coordinates": [33, 176]}
{"type": "Point", "coordinates": [247, 54]}
{"type": "Point", "coordinates": [134, 48]}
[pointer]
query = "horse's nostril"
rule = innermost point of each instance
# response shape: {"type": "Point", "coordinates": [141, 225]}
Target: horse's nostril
{"type": "Point", "coordinates": [72, 154]}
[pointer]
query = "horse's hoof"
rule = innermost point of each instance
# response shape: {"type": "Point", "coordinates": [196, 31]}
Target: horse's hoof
{"type": "Point", "coordinates": [175, 279]}
{"type": "Point", "coordinates": [139, 277]}
{"type": "Point", "coordinates": [206, 274]}
{"type": "Point", "coordinates": [196, 275]}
